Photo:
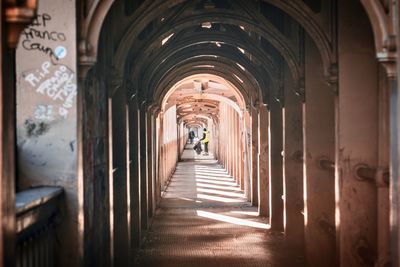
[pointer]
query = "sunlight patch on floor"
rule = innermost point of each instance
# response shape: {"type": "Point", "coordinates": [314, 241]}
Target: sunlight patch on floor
{"type": "Point", "coordinates": [232, 220]}
{"type": "Point", "coordinates": [249, 213]}
{"type": "Point", "coordinates": [218, 199]}
{"type": "Point", "coordinates": [202, 180]}
{"type": "Point", "coordinates": [219, 192]}
{"type": "Point", "coordinates": [205, 185]}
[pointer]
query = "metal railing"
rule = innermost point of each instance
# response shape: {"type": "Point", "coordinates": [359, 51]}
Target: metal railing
{"type": "Point", "coordinates": [37, 210]}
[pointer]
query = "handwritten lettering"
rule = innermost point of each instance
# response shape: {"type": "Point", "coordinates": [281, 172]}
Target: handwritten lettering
{"type": "Point", "coordinates": [31, 33]}
{"type": "Point", "coordinates": [44, 70]}
{"type": "Point", "coordinates": [37, 38]}
{"type": "Point", "coordinates": [39, 47]}
{"type": "Point", "coordinates": [55, 82]}
{"type": "Point", "coordinates": [44, 112]}
{"type": "Point", "coordinates": [41, 20]}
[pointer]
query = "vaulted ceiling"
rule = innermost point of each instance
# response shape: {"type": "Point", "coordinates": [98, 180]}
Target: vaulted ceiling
{"type": "Point", "coordinates": [251, 44]}
{"type": "Point", "coordinates": [197, 99]}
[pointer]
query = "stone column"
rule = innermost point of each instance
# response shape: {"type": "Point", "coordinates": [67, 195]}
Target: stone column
{"type": "Point", "coordinates": [11, 24]}
{"type": "Point", "coordinates": [118, 176]}
{"type": "Point", "coordinates": [224, 132]}
{"type": "Point", "coordinates": [143, 166]}
{"type": "Point", "coordinates": [394, 187]}
{"type": "Point", "coordinates": [237, 146]}
{"type": "Point", "coordinates": [319, 146]}
{"type": "Point", "coordinates": [254, 156]}
{"type": "Point", "coordinates": [229, 139]}
{"type": "Point", "coordinates": [382, 175]}
{"type": "Point", "coordinates": [357, 137]}
{"type": "Point", "coordinates": [221, 134]}
{"type": "Point", "coordinates": [160, 133]}
{"type": "Point", "coordinates": [293, 166]}
{"type": "Point", "coordinates": [228, 145]}
{"type": "Point", "coordinates": [178, 144]}
{"type": "Point", "coordinates": [275, 166]}
{"type": "Point", "coordinates": [263, 178]}
{"type": "Point", "coordinates": [93, 143]}
{"type": "Point", "coordinates": [247, 181]}
{"type": "Point", "coordinates": [242, 150]}
{"type": "Point", "coordinates": [217, 141]}
{"type": "Point", "coordinates": [234, 142]}
{"type": "Point", "coordinates": [7, 155]}
{"type": "Point", "coordinates": [154, 160]}
{"type": "Point", "coordinates": [135, 196]}
{"type": "Point", "coordinates": [46, 123]}
{"type": "Point", "coordinates": [233, 149]}
{"type": "Point", "coordinates": [150, 162]}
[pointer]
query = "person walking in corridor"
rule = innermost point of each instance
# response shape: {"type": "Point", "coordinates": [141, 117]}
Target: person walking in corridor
{"type": "Point", "coordinates": [205, 140]}
{"type": "Point", "coordinates": [191, 137]}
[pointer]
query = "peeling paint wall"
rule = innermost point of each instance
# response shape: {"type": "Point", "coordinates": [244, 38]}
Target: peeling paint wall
{"type": "Point", "coordinates": [46, 110]}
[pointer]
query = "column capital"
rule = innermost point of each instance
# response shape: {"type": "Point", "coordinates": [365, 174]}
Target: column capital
{"type": "Point", "coordinates": [154, 109]}
{"type": "Point", "coordinates": [332, 77]}
{"type": "Point", "coordinates": [256, 104]}
{"type": "Point", "coordinates": [280, 100]}
{"type": "Point", "coordinates": [300, 90]}
{"type": "Point", "coordinates": [387, 56]}
{"type": "Point", "coordinates": [390, 66]}
{"type": "Point", "coordinates": [115, 80]}
{"type": "Point", "coordinates": [144, 104]}
{"type": "Point", "coordinates": [85, 62]}
{"type": "Point", "coordinates": [262, 105]}
{"type": "Point", "coordinates": [279, 96]}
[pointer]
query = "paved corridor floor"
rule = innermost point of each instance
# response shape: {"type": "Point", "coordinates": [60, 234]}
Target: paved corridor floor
{"type": "Point", "coordinates": [204, 220]}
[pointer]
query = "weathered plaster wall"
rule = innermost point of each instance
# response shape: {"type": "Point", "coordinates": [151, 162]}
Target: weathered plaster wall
{"type": "Point", "coordinates": [46, 111]}
{"type": "Point", "coordinates": [169, 145]}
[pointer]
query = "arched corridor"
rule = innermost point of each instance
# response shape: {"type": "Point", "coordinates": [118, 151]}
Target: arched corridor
{"type": "Point", "coordinates": [99, 102]}
{"type": "Point", "coordinates": [204, 219]}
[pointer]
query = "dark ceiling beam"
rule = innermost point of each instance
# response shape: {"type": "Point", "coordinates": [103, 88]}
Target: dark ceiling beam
{"type": "Point", "coordinates": [178, 54]}
{"type": "Point", "coordinates": [268, 32]}
{"type": "Point", "coordinates": [197, 66]}
{"type": "Point", "coordinates": [226, 39]}
{"type": "Point", "coordinates": [251, 77]}
{"type": "Point", "coordinates": [163, 26]}
{"type": "Point", "coordinates": [296, 9]}
{"type": "Point", "coordinates": [323, 36]}
{"type": "Point", "coordinates": [156, 69]}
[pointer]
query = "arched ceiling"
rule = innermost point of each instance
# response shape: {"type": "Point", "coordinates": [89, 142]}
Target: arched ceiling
{"type": "Point", "coordinates": [317, 19]}
{"type": "Point", "coordinates": [249, 43]}
{"type": "Point", "coordinates": [197, 98]}
{"type": "Point", "coordinates": [226, 36]}
{"type": "Point", "coordinates": [161, 15]}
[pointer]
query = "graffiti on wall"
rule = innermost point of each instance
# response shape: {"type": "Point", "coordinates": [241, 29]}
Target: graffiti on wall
{"type": "Point", "coordinates": [44, 113]}
{"type": "Point", "coordinates": [46, 97]}
{"type": "Point", "coordinates": [37, 36]}
{"type": "Point", "coordinates": [47, 85]}
{"type": "Point", "coordinates": [51, 82]}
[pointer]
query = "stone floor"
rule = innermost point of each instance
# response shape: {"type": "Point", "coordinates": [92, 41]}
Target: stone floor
{"type": "Point", "coordinates": [204, 220]}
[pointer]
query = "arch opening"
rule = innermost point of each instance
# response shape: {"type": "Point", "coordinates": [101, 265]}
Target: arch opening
{"type": "Point", "coordinates": [204, 101]}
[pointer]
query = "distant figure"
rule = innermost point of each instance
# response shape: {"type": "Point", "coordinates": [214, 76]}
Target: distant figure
{"type": "Point", "coordinates": [191, 137]}
{"type": "Point", "coordinates": [205, 139]}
